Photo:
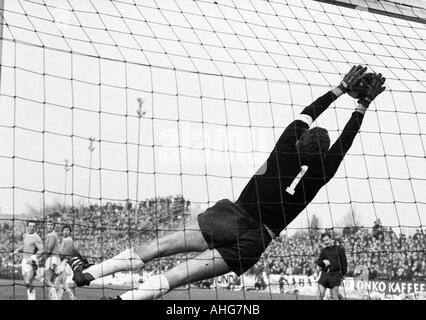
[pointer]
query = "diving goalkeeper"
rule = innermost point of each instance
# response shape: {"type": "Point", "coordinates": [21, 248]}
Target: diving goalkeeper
{"type": "Point", "coordinates": [233, 235]}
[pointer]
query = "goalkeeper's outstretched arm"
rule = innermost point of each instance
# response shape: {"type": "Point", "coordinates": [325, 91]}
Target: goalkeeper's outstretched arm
{"type": "Point", "coordinates": [315, 109]}
{"type": "Point", "coordinates": [339, 149]}
{"type": "Point", "coordinates": [294, 130]}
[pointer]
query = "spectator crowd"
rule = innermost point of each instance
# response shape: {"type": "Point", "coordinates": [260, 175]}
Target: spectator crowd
{"type": "Point", "coordinates": [102, 231]}
{"type": "Point", "coordinates": [386, 254]}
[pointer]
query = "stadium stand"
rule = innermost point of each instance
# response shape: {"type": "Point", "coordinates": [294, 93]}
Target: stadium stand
{"type": "Point", "coordinates": [102, 231]}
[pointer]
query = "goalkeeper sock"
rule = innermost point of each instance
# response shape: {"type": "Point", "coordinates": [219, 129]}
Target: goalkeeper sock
{"type": "Point", "coordinates": [125, 261]}
{"type": "Point", "coordinates": [151, 289]}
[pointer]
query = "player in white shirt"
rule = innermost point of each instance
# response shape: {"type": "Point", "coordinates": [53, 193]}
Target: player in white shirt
{"type": "Point", "coordinates": [32, 249]}
{"type": "Point", "coordinates": [65, 271]}
{"type": "Point", "coordinates": [51, 254]}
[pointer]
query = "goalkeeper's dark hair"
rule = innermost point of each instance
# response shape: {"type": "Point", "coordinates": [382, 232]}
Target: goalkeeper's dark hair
{"type": "Point", "coordinates": [313, 144]}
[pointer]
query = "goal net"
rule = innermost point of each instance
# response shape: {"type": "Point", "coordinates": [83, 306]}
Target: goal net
{"type": "Point", "coordinates": [127, 118]}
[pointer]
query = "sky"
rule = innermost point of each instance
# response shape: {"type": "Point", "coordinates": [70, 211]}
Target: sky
{"type": "Point", "coordinates": [219, 82]}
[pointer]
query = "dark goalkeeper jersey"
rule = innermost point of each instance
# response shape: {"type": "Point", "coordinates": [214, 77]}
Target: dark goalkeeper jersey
{"type": "Point", "coordinates": [276, 196]}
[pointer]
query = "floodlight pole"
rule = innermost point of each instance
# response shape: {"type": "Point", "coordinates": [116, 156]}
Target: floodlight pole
{"type": "Point", "coordinates": [140, 113]}
{"type": "Point", "coordinates": [91, 149]}
{"type": "Point", "coordinates": [66, 168]}
{"type": "Point", "coordinates": [1, 34]}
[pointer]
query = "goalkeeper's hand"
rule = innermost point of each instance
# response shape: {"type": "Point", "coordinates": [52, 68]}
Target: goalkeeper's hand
{"type": "Point", "coordinates": [376, 88]}
{"type": "Point", "coordinates": [352, 78]}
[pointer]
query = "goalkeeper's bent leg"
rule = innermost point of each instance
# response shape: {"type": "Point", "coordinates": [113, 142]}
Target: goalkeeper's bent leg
{"type": "Point", "coordinates": [153, 288]}
{"type": "Point", "coordinates": [127, 260]}
{"type": "Point", "coordinates": [205, 266]}
{"type": "Point", "coordinates": [189, 239]}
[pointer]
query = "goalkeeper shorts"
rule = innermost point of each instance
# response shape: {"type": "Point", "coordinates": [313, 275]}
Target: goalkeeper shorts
{"type": "Point", "coordinates": [239, 238]}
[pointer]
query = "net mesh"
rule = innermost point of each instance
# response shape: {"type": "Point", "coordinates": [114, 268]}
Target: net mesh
{"type": "Point", "coordinates": [127, 118]}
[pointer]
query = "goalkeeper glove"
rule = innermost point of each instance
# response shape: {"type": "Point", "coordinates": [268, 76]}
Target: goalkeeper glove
{"type": "Point", "coordinates": [352, 78]}
{"type": "Point", "coordinates": [376, 88]}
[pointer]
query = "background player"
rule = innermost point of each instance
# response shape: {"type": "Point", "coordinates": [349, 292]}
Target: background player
{"type": "Point", "coordinates": [51, 256]}
{"type": "Point", "coordinates": [66, 248]}
{"type": "Point", "coordinates": [333, 263]}
{"type": "Point", "coordinates": [32, 249]}
{"type": "Point", "coordinates": [232, 236]}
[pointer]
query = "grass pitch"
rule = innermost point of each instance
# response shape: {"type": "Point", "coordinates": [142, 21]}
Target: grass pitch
{"type": "Point", "coordinates": [15, 290]}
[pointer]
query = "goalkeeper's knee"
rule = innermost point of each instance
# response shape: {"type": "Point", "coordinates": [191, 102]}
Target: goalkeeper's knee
{"type": "Point", "coordinates": [128, 260]}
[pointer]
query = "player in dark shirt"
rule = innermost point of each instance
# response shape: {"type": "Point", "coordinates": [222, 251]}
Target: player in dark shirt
{"type": "Point", "coordinates": [233, 235]}
{"type": "Point", "coordinates": [297, 168]}
{"type": "Point", "coordinates": [334, 266]}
